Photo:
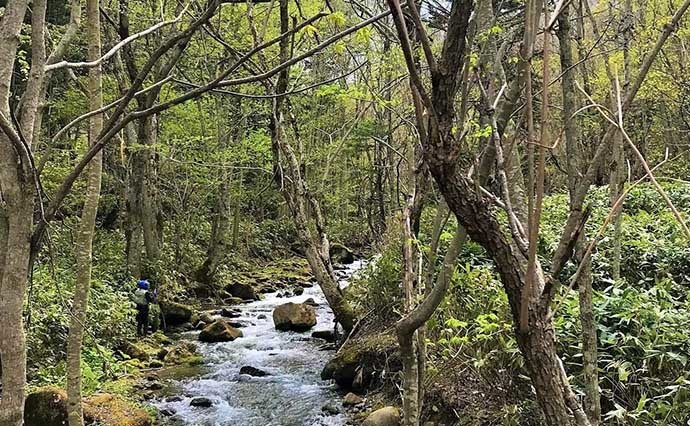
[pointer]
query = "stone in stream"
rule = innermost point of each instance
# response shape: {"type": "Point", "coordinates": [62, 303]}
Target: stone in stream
{"type": "Point", "coordinates": [219, 331]}
{"type": "Point", "coordinates": [341, 254]}
{"type": "Point", "coordinates": [331, 409]}
{"type": "Point", "coordinates": [176, 398]}
{"type": "Point", "coordinates": [175, 313]}
{"type": "Point", "coordinates": [230, 313]}
{"type": "Point", "coordinates": [298, 291]}
{"type": "Point", "coordinates": [352, 399]}
{"type": "Point", "coordinates": [206, 317]}
{"type": "Point", "coordinates": [253, 371]}
{"type": "Point", "coordinates": [294, 316]}
{"type": "Point", "coordinates": [243, 291]}
{"type": "Point", "coordinates": [311, 302]}
{"type": "Point", "coordinates": [167, 412]}
{"type": "Point", "coordinates": [386, 416]}
{"type": "Point", "coordinates": [326, 335]}
{"type": "Point", "coordinates": [261, 316]}
{"type": "Point", "coordinates": [201, 401]}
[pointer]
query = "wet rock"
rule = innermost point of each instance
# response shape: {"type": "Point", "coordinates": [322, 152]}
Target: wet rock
{"type": "Point", "coordinates": [311, 302]}
{"type": "Point", "coordinates": [167, 412]}
{"type": "Point", "coordinates": [201, 401]}
{"type": "Point", "coordinates": [261, 316]}
{"type": "Point", "coordinates": [352, 399]}
{"type": "Point", "coordinates": [219, 331]}
{"type": "Point", "coordinates": [331, 409]}
{"type": "Point", "coordinates": [175, 313]}
{"type": "Point", "coordinates": [253, 371]}
{"type": "Point", "coordinates": [181, 352]}
{"type": "Point", "coordinates": [46, 407]}
{"type": "Point", "coordinates": [230, 313]}
{"type": "Point", "coordinates": [386, 416]}
{"type": "Point", "coordinates": [187, 326]}
{"type": "Point", "coordinates": [341, 254]}
{"type": "Point", "coordinates": [326, 335]}
{"type": "Point", "coordinates": [206, 317]}
{"type": "Point", "coordinates": [154, 385]}
{"type": "Point", "coordinates": [201, 325]}
{"type": "Point", "coordinates": [176, 398]}
{"type": "Point", "coordinates": [235, 324]}
{"type": "Point", "coordinates": [233, 301]}
{"type": "Point", "coordinates": [243, 291]}
{"type": "Point", "coordinates": [294, 316]}
{"type": "Point", "coordinates": [298, 291]}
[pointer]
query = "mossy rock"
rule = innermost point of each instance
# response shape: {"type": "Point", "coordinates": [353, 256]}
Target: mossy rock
{"type": "Point", "coordinates": [176, 313]}
{"type": "Point", "coordinates": [46, 407]}
{"type": "Point", "coordinates": [359, 363]}
{"type": "Point", "coordinates": [180, 353]}
{"type": "Point", "coordinates": [341, 254]}
{"type": "Point", "coordinates": [219, 331]}
{"type": "Point", "coordinates": [111, 410]}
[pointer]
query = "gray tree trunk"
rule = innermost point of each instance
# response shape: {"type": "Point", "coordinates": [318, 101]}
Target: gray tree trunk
{"type": "Point", "coordinates": [84, 239]}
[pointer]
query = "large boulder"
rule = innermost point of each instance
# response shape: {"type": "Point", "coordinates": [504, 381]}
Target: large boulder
{"type": "Point", "coordinates": [294, 316]}
{"type": "Point", "coordinates": [362, 361]}
{"type": "Point", "coordinates": [341, 254]}
{"type": "Point", "coordinates": [243, 291]}
{"type": "Point", "coordinates": [219, 331]}
{"type": "Point", "coordinates": [386, 416]}
{"type": "Point", "coordinates": [46, 407]}
{"type": "Point", "coordinates": [175, 313]}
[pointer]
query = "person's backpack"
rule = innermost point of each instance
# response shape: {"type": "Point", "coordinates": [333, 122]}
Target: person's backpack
{"type": "Point", "coordinates": [140, 297]}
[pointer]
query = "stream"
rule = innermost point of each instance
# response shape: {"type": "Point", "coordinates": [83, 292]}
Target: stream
{"type": "Point", "coordinates": [293, 392]}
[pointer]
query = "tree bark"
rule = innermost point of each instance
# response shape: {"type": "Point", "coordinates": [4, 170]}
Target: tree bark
{"type": "Point", "coordinates": [574, 161]}
{"type": "Point", "coordinates": [87, 227]}
{"type": "Point", "coordinates": [16, 204]}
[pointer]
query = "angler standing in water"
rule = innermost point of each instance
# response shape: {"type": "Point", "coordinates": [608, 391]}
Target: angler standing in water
{"type": "Point", "coordinates": [142, 297]}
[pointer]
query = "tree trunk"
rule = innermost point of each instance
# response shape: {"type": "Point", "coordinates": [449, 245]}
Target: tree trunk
{"type": "Point", "coordinates": [84, 240]}
{"type": "Point", "coordinates": [574, 162]}
{"type": "Point", "coordinates": [16, 204]}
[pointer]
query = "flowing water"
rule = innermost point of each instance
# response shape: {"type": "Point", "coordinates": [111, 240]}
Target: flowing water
{"type": "Point", "coordinates": [293, 394]}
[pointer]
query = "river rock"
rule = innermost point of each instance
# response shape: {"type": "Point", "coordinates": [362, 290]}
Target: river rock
{"type": "Point", "coordinates": [229, 313]}
{"type": "Point", "coordinates": [219, 331]}
{"type": "Point", "coordinates": [386, 416]}
{"type": "Point", "coordinates": [326, 335]}
{"type": "Point", "coordinates": [311, 302]}
{"type": "Point", "coordinates": [175, 313]}
{"type": "Point", "coordinates": [182, 351]}
{"type": "Point", "coordinates": [261, 316]}
{"type": "Point", "coordinates": [253, 371]}
{"type": "Point", "coordinates": [341, 254]}
{"type": "Point", "coordinates": [294, 316]}
{"type": "Point", "coordinates": [176, 398]}
{"type": "Point", "coordinates": [352, 399]}
{"type": "Point", "coordinates": [167, 412]}
{"type": "Point", "coordinates": [298, 291]}
{"type": "Point", "coordinates": [201, 401]}
{"type": "Point", "coordinates": [243, 291]}
{"type": "Point", "coordinates": [331, 409]}
{"type": "Point", "coordinates": [46, 407]}
{"type": "Point", "coordinates": [134, 351]}
{"type": "Point", "coordinates": [206, 317]}
{"type": "Point", "coordinates": [357, 364]}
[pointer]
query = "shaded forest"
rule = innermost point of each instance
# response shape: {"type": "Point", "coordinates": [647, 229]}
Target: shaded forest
{"type": "Point", "coordinates": [481, 205]}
